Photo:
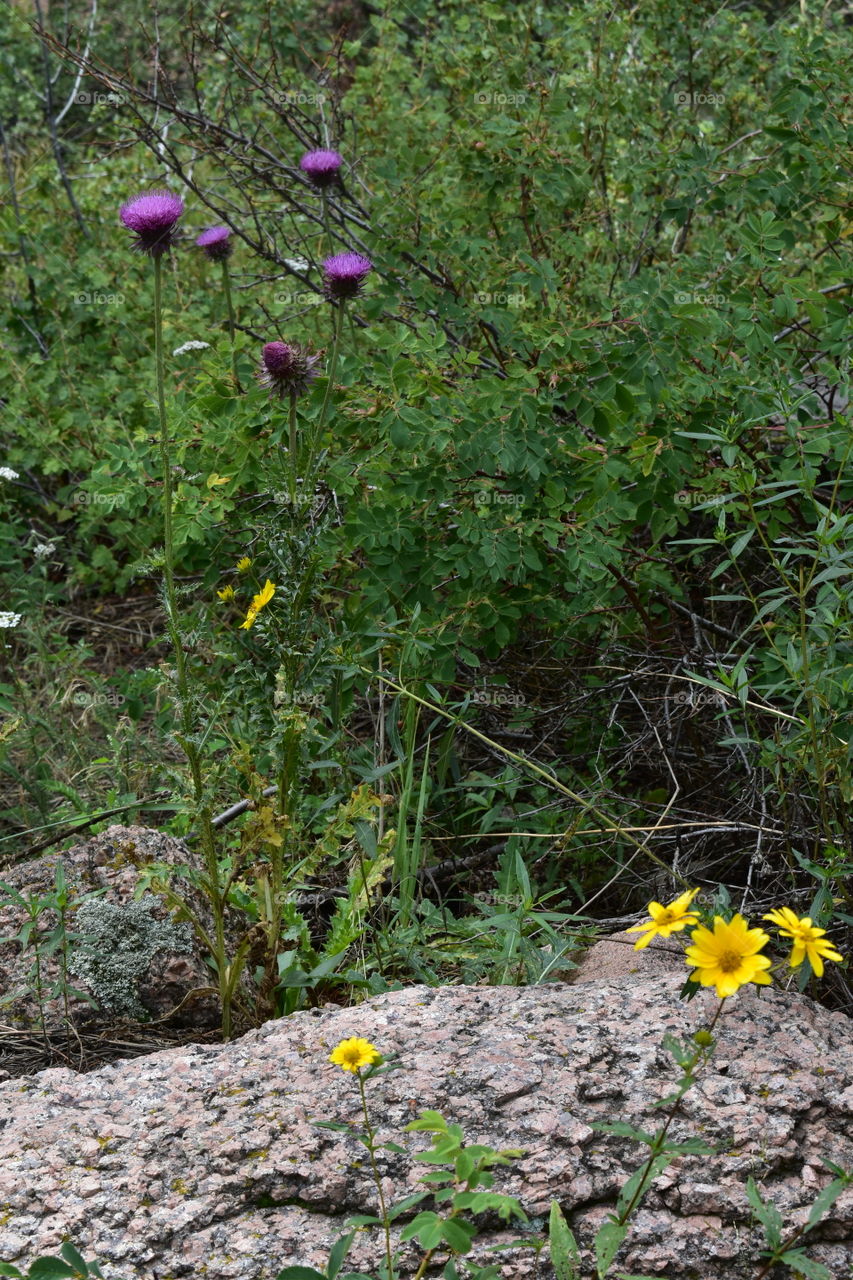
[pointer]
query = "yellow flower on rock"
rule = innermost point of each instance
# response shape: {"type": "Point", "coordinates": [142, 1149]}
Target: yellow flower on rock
{"type": "Point", "coordinates": [353, 1054]}
{"type": "Point", "coordinates": [244, 565]}
{"type": "Point", "coordinates": [262, 598]}
{"type": "Point", "coordinates": [728, 957]}
{"type": "Point", "coordinates": [806, 938]}
{"type": "Point", "coordinates": [665, 920]}
{"type": "Point", "coordinates": [227, 593]}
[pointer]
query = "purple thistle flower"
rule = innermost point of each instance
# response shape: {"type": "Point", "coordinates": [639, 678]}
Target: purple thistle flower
{"type": "Point", "coordinates": [152, 216]}
{"type": "Point", "coordinates": [321, 166]}
{"type": "Point", "coordinates": [344, 275]}
{"type": "Point", "coordinates": [216, 242]}
{"type": "Point", "coordinates": [286, 368]}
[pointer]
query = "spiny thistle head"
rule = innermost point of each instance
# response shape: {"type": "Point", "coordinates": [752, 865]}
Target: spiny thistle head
{"type": "Point", "coordinates": [216, 242]}
{"type": "Point", "coordinates": [321, 167]}
{"type": "Point", "coordinates": [152, 217]}
{"type": "Point", "coordinates": [344, 275]}
{"type": "Point", "coordinates": [286, 368]}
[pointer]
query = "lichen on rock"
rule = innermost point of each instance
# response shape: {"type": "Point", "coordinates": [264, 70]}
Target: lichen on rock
{"type": "Point", "coordinates": [121, 940]}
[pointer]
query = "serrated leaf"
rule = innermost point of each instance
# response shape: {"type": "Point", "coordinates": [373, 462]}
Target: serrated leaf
{"type": "Point", "coordinates": [608, 1241]}
{"type": "Point", "coordinates": [563, 1248]}
{"type": "Point", "coordinates": [826, 1199]}
{"type": "Point", "coordinates": [806, 1266]}
{"type": "Point", "coordinates": [458, 1234]}
{"type": "Point", "coordinates": [766, 1213]}
{"type": "Point", "coordinates": [624, 1131]}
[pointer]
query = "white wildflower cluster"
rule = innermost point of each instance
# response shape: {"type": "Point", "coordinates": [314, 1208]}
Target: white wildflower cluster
{"type": "Point", "coordinates": [6, 473]}
{"type": "Point", "coordinates": [42, 550]}
{"type": "Point", "coordinates": [8, 620]}
{"type": "Point", "coordinates": [190, 346]}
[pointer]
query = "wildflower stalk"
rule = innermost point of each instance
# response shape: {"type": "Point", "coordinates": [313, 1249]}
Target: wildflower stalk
{"type": "Point", "coordinates": [205, 819]}
{"type": "Point", "coordinates": [333, 364]}
{"type": "Point", "coordinates": [232, 324]}
{"type": "Point", "coordinates": [326, 221]}
{"type": "Point", "coordinates": [371, 1147]}
{"type": "Point", "coordinates": [704, 1051]}
{"type": "Point", "coordinates": [291, 447]}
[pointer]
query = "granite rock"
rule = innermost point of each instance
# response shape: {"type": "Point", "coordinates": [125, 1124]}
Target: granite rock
{"type": "Point", "coordinates": [137, 961]}
{"type": "Point", "coordinates": [207, 1160]}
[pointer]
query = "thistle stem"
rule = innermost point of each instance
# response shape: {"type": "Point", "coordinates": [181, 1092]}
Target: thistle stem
{"type": "Point", "coordinates": [232, 324]}
{"type": "Point", "coordinates": [182, 681]}
{"type": "Point", "coordinates": [333, 364]}
{"type": "Point", "coordinates": [291, 449]}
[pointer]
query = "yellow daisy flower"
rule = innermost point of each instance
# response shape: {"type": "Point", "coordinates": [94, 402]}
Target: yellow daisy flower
{"type": "Point", "coordinates": [806, 938]}
{"type": "Point", "coordinates": [244, 565]}
{"type": "Point", "coordinates": [353, 1054]}
{"type": "Point", "coordinates": [227, 593]}
{"type": "Point", "coordinates": [728, 957]}
{"type": "Point", "coordinates": [262, 598]}
{"type": "Point", "coordinates": [665, 920]}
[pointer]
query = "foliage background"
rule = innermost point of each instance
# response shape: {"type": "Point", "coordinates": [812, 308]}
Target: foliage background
{"type": "Point", "coordinates": [587, 482]}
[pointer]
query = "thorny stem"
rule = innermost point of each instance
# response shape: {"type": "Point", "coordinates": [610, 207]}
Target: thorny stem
{"type": "Point", "coordinates": [232, 324]}
{"type": "Point", "coordinates": [333, 364]}
{"type": "Point", "coordinates": [182, 681]}
{"type": "Point", "coordinates": [291, 448]}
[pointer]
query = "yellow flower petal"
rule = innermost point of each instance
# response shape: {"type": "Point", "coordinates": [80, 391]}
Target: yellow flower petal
{"type": "Point", "coordinates": [262, 598]}
{"type": "Point", "coordinates": [355, 1053]}
{"type": "Point", "coordinates": [665, 921]}
{"type": "Point", "coordinates": [727, 958]}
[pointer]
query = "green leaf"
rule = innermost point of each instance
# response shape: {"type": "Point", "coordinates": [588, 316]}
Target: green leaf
{"type": "Point", "coordinates": [766, 1213]}
{"type": "Point", "coordinates": [806, 1266]}
{"type": "Point", "coordinates": [426, 1227]}
{"type": "Point", "coordinates": [337, 1253]}
{"type": "Point", "coordinates": [458, 1234]}
{"type": "Point", "coordinates": [406, 1203]}
{"type": "Point", "coordinates": [429, 1120]}
{"type": "Point", "coordinates": [608, 1241]}
{"type": "Point", "coordinates": [826, 1199]}
{"type": "Point", "coordinates": [563, 1248]}
{"type": "Point", "coordinates": [44, 1268]}
{"type": "Point", "coordinates": [624, 1131]}
{"type": "Point", "coordinates": [300, 1273]}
